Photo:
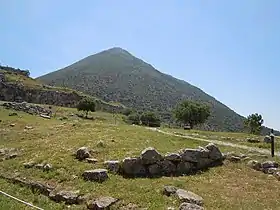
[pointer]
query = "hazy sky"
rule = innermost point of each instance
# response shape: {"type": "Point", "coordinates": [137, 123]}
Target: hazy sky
{"type": "Point", "coordinates": [229, 49]}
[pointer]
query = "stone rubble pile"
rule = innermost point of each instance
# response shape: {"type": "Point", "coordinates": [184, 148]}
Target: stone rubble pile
{"type": "Point", "coordinates": [28, 108]}
{"type": "Point", "coordinates": [8, 153]}
{"type": "Point", "coordinates": [267, 167]}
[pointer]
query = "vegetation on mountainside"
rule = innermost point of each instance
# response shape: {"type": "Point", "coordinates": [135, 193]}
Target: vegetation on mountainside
{"type": "Point", "coordinates": [150, 119]}
{"type": "Point", "coordinates": [116, 75]}
{"type": "Point", "coordinates": [86, 105]}
{"type": "Point", "coordinates": [191, 113]}
{"type": "Point", "coordinates": [254, 123]}
{"type": "Point", "coordinates": [232, 186]}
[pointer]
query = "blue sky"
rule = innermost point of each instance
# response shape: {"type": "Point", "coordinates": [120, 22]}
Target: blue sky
{"type": "Point", "coordinates": [229, 49]}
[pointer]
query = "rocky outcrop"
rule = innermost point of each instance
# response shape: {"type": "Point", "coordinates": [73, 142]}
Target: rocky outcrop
{"type": "Point", "coordinates": [43, 94]}
{"type": "Point", "coordinates": [152, 164]}
{"type": "Point", "coordinates": [28, 108]}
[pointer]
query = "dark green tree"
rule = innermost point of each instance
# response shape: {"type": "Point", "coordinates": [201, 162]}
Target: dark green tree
{"type": "Point", "coordinates": [191, 112]}
{"type": "Point", "coordinates": [128, 111]}
{"type": "Point", "coordinates": [254, 123]}
{"type": "Point", "coordinates": [150, 119]}
{"type": "Point", "coordinates": [86, 105]}
{"type": "Point", "coordinates": [133, 118]}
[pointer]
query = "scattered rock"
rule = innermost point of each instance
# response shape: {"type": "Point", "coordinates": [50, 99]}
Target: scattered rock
{"type": "Point", "coordinates": [39, 166]}
{"type": "Point", "coordinates": [11, 156]}
{"type": "Point", "coordinates": [45, 116]}
{"type": "Point", "coordinates": [171, 208]}
{"type": "Point", "coordinates": [28, 108]}
{"type": "Point", "coordinates": [29, 164]}
{"type": "Point", "coordinates": [112, 165]}
{"type": "Point", "coordinates": [13, 114]}
{"type": "Point", "coordinates": [234, 159]}
{"type": "Point", "coordinates": [82, 153]}
{"type": "Point", "coordinates": [98, 175]}
{"type": "Point", "coordinates": [190, 206]}
{"type": "Point", "coordinates": [69, 197]}
{"type": "Point", "coordinates": [101, 203]}
{"type": "Point", "coordinates": [267, 139]}
{"type": "Point", "coordinates": [189, 197]}
{"type": "Point", "coordinates": [28, 127]}
{"type": "Point", "coordinates": [150, 155]}
{"type": "Point", "coordinates": [169, 190]}
{"type": "Point", "coordinates": [254, 165]}
{"type": "Point", "coordinates": [12, 125]}
{"type": "Point", "coordinates": [252, 140]}
{"type": "Point", "coordinates": [91, 160]}
{"type": "Point", "coordinates": [47, 167]}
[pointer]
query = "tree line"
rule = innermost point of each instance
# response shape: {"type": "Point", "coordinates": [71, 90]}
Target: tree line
{"type": "Point", "coordinates": [188, 112]}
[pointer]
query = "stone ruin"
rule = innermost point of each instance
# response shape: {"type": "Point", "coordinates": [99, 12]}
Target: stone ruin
{"type": "Point", "coordinates": [151, 163]}
{"type": "Point", "coordinates": [28, 108]}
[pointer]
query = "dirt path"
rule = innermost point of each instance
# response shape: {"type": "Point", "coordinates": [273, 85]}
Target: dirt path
{"type": "Point", "coordinates": [251, 149]}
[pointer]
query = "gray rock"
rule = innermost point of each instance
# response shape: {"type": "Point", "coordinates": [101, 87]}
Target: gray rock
{"type": "Point", "coordinates": [101, 203]}
{"type": "Point", "coordinates": [270, 170]}
{"type": "Point", "coordinates": [189, 197]}
{"type": "Point", "coordinates": [154, 170]}
{"type": "Point", "coordinates": [193, 155]}
{"type": "Point", "coordinates": [13, 114]}
{"type": "Point", "coordinates": [169, 190]}
{"type": "Point", "coordinates": [112, 166]}
{"type": "Point", "coordinates": [215, 153]}
{"type": "Point", "coordinates": [254, 165]}
{"type": "Point", "coordinates": [190, 206]}
{"type": "Point", "coordinates": [69, 197]}
{"type": "Point", "coordinates": [269, 164]}
{"type": "Point", "coordinates": [203, 163]}
{"type": "Point", "coordinates": [150, 155]}
{"type": "Point", "coordinates": [184, 167]}
{"type": "Point", "coordinates": [267, 139]}
{"type": "Point", "coordinates": [97, 175]}
{"type": "Point", "coordinates": [45, 116]}
{"type": "Point", "coordinates": [28, 127]}
{"type": "Point", "coordinates": [252, 140]}
{"type": "Point", "coordinates": [82, 153]}
{"type": "Point", "coordinates": [91, 160]}
{"type": "Point", "coordinates": [133, 167]}
{"type": "Point", "coordinates": [29, 164]}
{"type": "Point", "coordinates": [277, 175]}
{"type": "Point", "coordinates": [47, 167]}
{"type": "Point", "coordinates": [40, 166]}
{"type": "Point", "coordinates": [13, 125]}
{"type": "Point", "coordinates": [11, 156]}
{"type": "Point", "coordinates": [167, 167]}
{"type": "Point", "coordinates": [234, 159]}
{"type": "Point", "coordinates": [174, 157]}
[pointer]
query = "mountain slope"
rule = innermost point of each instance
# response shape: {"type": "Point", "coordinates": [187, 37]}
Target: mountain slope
{"type": "Point", "coordinates": [116, 75]}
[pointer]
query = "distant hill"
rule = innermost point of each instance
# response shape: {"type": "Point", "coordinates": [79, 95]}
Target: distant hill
{"type": "Point", "coordinates": [116, 75]}
{"type": "Point", "coordinates": [16, 85]}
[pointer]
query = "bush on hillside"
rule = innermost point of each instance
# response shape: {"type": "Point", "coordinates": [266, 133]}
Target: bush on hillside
{"type": "Point", "coordinates": [150, 119]}
{"type": "Point", "coordinates": [86, 105]}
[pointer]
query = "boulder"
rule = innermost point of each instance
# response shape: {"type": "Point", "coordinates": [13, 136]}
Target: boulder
{"type": "Point", "coordinates": [69, 197]}
{"type": "Point", "coordinates": [82, 153]}
{"type": "Point", "coordinates": [174, 157]}
{"type": "Point", "coordinates": [189, 197]}
{"type": "Point", "coordinates": [190, 206]}
{"type": "Point", "coordinates": [101, 203]}
{"type": "Point", "coordinates": [185, 167]}
{"type": "Point", "coordinates": [167, 167]}
{"type": "Point", "coordinates": [47, 167]}
{"type": "Point", "coordinates": [193, 155]}
{"type": "Point", "coordinates": [214, 152]}
{"type": "Point", "coordinates": [97, 175]}
{"type": "Point", "coordinates": [133, 167]}
{"type": "Point", "coordinates": [269, 164]}
{"type": "Point", "coordinates": [112, 166]}
{"type": "Point", "coordinates": [169, 190]}
{"type": "Point", "coordinates": [150, 155]}
{"type": "Point", "coordinates": [154, 170]}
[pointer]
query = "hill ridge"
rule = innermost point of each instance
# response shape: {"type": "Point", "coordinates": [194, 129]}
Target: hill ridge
{"type": "Point", "coordinates": [115, 74]}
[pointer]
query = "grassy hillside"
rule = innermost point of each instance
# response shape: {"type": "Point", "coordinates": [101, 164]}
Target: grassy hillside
{"type": "Point", "coordinates": [232, 186]}
{"type": "Point", "coordinates": [116, 75]}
